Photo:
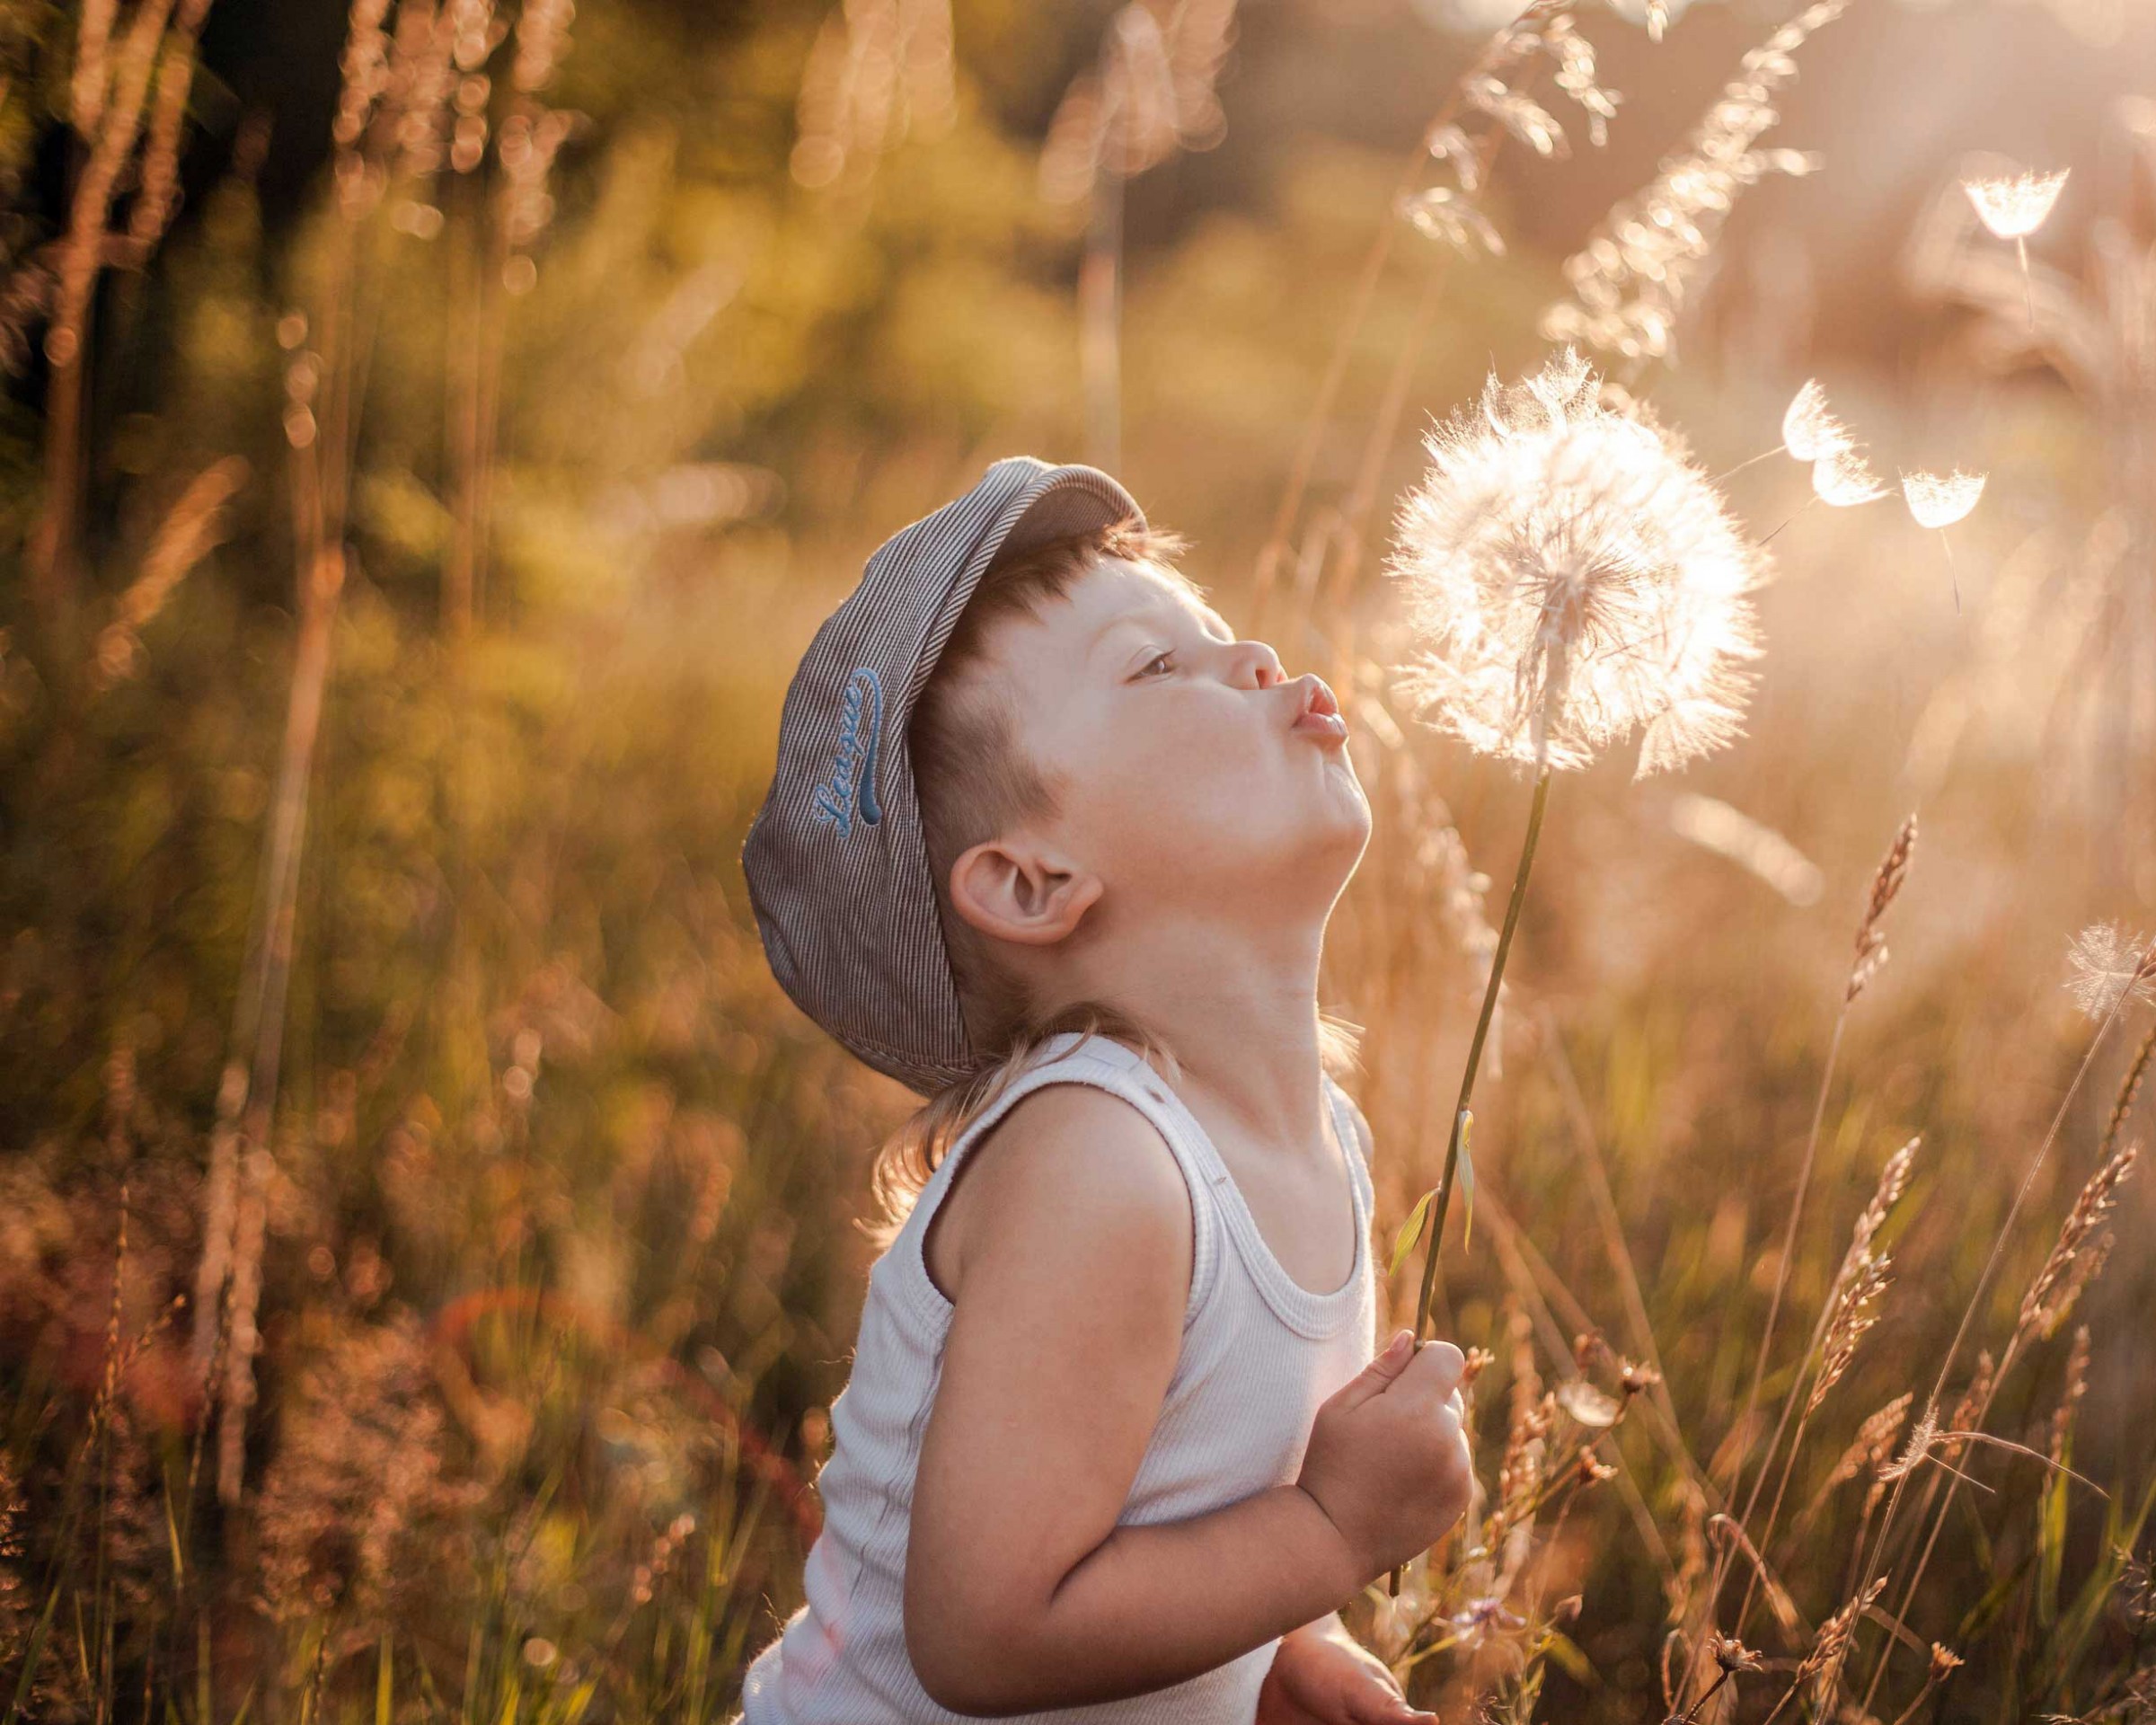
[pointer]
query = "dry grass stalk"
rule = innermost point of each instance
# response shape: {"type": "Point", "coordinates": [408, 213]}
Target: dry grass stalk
{"type": "Point", "coordinates": [1885, 887]}
{"type": "Point", "coordinates": [1853, 1315]}
{"type": "Point", "coordinates": [1630, 281]}
{"type": "Point", "coordinates": [2129, 1091]}
{"type": "Point", "coordinates": [879, 70]}
{"type": "Point", "coordinates": [1543, 26]}
{"type": "Point", "coordinates": [1874, 1441]}
{"type": "Point", "coordinates": [1982, 1385]}
{"type": "Point", "coordinates": [1924, 1438]}
{"type": "Point", "coordinates": [2071, 1396]}
{"type": "Point", "coordinates": [1820, 1667]}
{"type": "Point", "coordinates": [157, 189]}
{"type": "Point", "coordinates": [190, 528]}
{"type": "Point", "coordinates": [2051, 1295]}
{"type": "Point", "coordinates": [118, 125]}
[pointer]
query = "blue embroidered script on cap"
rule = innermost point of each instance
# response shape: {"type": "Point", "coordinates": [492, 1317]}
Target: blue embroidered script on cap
{"type": "Point", "coordinates": [849, 785]}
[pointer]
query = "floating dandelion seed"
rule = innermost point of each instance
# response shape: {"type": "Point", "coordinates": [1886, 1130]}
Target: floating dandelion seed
{"type": "Point", "coordinates": [1572, 577]}
{"type": "Point", "coordinates": [2013, 207]}
{"type": "Point", "coordinates": [2110, 968]}
{"type": "Point", "coordinates": [1939, 500]}
{"type": "Point", "coordinates": [1844, 479]}
{"type": "Point", "coordinates": [1808, 431]}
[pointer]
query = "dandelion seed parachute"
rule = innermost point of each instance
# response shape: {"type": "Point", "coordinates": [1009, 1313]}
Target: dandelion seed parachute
{"type": "Point", "coordinates": [1940, 500]}
{"type": "Point", "coordinates": [2013, 207]}
{"type": "Point", "coordinates": [1844, 479]}
{"type": "Point", "coordinates": [1572, 577]}
{"type": "Point", "coordinates": [2109, 967]}
{"type": "Point", "coordinates": [1808, 431]}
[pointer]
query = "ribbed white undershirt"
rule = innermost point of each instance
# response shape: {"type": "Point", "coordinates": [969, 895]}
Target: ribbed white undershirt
{"type": "Point", "coordinates": [1260, 1352]}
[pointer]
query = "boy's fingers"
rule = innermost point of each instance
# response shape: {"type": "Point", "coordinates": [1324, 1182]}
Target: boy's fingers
{"type": "Point", "coordinates": [1438, 1367]}
{"type": "Point", "coordinates": [1398, 1356]}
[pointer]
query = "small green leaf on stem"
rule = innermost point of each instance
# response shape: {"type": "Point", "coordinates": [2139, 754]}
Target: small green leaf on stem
{"type": "Point", "coordinates": [1411, 1230]}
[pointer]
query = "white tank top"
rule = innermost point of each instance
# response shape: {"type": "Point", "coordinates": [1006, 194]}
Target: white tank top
{"type": "Point", "coordinates": [1260, 1352]}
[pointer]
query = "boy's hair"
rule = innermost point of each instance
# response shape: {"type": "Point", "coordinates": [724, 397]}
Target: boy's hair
{"type": "Point", "coordinates": [974, 780]}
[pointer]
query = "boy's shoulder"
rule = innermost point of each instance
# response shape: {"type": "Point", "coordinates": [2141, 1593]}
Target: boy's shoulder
{"type": "Point", "coordinates": [1069, 1158]}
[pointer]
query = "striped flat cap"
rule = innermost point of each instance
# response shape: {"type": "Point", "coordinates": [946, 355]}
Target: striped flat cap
{"type": "Point", "coordinates": [836, 863]}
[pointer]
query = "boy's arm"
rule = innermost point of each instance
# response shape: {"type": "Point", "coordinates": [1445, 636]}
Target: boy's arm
{"type": "Point", "coordinates": [1021, 1592]}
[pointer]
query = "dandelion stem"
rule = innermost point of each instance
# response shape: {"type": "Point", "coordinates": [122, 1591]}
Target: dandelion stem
{"type": "Point", "coordinates": [1443, 1199]}
{"type": "Point", "coordinates": [2028, 286]}
{"type": "Point", "coordinates": [1953, 575]}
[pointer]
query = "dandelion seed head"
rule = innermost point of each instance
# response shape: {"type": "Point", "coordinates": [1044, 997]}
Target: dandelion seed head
{"type": "Point", "coordinates": [1571, 577]}
{"type": "Point", "coordinates": [1844, 479]}
{"type": "Point", "coordinates": [1808, 431]}
{"type": "Point", "coordinates": [2015, 206]}
{"type": "Point", "coordinates": [1940, 500]}
{"type": "Point", "coordinates": [2109, 967]}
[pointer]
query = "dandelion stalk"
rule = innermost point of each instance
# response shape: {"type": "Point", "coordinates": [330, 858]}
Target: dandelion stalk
{"type": "Point", "coordinates": [1440, 1200]}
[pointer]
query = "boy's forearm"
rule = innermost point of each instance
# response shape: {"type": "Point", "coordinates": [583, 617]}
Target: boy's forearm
{"type": "Point", "coordinates": [1151, 1606]}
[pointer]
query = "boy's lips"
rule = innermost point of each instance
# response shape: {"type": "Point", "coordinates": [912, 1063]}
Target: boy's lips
{"type": "Point", "coordinates": [1319, 713]}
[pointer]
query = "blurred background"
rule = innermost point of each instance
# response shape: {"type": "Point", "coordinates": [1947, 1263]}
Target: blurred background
{"type": "Point", "coordinates": [430, 1242]}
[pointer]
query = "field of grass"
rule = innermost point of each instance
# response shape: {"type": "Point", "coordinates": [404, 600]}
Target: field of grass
{"type": "Point", "coordinates": [430, 1242]}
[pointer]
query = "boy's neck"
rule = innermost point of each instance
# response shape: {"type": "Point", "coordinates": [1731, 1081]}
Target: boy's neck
{"type": "Point", "coordinates": [1240, 1011]}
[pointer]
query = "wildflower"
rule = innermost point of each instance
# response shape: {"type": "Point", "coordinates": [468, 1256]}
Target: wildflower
{"type": "Point", "coordinates": [2013, 207]}
{"type": "Point", "coordinates": [1732, 1655]}
{"type": "Point", "coordinates": [1944, 1662]}
{"type": "Point", "coordinates": [2110, 968]}
{"type": "Point", "coordinates": [1574, 577]}
{"type": "Point", "coordinates": [1939, 500]}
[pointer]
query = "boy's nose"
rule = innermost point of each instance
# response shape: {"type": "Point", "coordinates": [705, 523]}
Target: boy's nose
{"type": "Point", "coordinates": [1260, 663]}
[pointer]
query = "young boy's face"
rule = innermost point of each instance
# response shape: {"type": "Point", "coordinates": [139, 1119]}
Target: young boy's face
{"type": "Point", "coordinates": [1183, 774]}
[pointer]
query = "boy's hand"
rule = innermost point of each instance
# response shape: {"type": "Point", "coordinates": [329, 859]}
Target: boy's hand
{"type": "Point", "coordinates": [1387, 1460]}
{"type": "Point", "coordinates": [1320, 1677]}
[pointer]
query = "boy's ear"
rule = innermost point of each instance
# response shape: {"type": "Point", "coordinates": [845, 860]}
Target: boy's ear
{"type": "Point", "coordinates": [1018, 889]}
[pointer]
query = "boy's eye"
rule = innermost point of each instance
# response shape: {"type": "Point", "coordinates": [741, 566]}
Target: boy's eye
{"type": "Point", "coordinates": [1158, 659]}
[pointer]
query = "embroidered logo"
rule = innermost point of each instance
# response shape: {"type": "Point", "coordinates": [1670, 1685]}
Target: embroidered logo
{"type": "Point", "coordinates": [848, 787]}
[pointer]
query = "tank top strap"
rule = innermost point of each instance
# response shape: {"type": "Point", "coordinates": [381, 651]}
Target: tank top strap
{"type": "Point", "coordinates": [1071, 1057]}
